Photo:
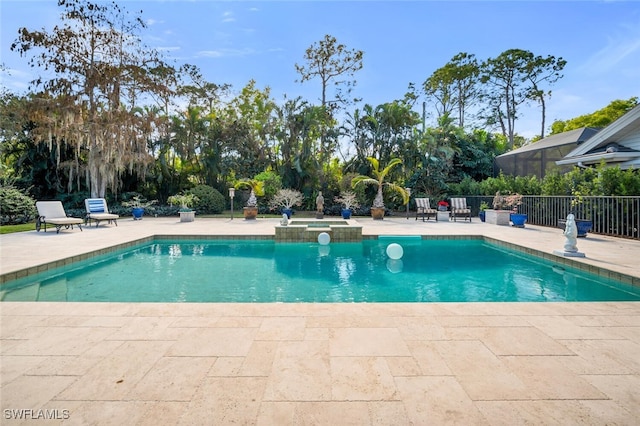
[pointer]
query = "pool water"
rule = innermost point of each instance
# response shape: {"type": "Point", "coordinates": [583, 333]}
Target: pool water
{"type": "Point", "coordinates": [265, 271]}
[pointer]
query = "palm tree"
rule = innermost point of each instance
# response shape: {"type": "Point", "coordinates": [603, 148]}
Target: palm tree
{"type": "Point", "coordinates": [379, 181]}
{"type": "Point", "coordinates": [256, 187]}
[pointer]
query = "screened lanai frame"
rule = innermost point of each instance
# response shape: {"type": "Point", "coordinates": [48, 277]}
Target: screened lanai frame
{"type": "Point", "coordinates": [539, 158]}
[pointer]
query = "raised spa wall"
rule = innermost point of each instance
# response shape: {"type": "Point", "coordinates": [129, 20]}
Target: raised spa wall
{"type": "Point", "coordinates": [308, 231]}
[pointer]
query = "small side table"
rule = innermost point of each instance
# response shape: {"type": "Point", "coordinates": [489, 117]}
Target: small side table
{"type": "Point", "coordinates": [442, 216]}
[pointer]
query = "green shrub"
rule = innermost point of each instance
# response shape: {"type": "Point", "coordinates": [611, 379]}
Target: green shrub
{"type": "Point", "coordinates": [272, 184]}
{"type": "Point", "coordinates": [16, 207]}
{"type": "Point", "coordinates": [210, 200]}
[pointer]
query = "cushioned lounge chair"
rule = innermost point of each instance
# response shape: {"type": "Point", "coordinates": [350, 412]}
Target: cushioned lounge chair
{"type": "Point", "coordinates": [52, 213]}
{"type": "Point", "coordinates": [423, 208]}
{"type": "Point", "coordinates": [459, 209]}
{"type": "Point", "coordinates": [97, 210]}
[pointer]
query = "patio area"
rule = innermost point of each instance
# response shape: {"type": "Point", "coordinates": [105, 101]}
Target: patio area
{"type": "Point", "coordinates": [318, 364]}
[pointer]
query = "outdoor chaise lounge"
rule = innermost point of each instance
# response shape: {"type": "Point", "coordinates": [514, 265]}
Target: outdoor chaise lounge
{"type": "Point", "coordinates": [459, 208]}
{"type": "Point", "coordinates": [52, 213]}
{"type": "Point", "coordinates": [423, 208]}
{"type": "Point", "coordinates": [97, 210]}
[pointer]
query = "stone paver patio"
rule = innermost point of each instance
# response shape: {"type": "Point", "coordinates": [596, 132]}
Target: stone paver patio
{"type": "Point", "coordinates": [318, 364]}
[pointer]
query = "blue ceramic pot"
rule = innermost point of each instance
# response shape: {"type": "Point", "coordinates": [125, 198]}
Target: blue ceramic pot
{"type": "Point", "coordinates": [518, 219]}
{"type": "Point", "coordinates": [346, 213]}
{"type": "Point", "coordinates": [137, 213]}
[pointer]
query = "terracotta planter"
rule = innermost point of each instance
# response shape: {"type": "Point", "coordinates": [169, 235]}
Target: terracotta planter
{"type": "Point", "coordinates": [377, 213]}
{"type": "Point", "coordinates": [250, 213]}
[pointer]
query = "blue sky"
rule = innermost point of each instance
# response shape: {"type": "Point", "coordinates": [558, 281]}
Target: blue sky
{"type": "Point", "coordinates": [403, 41]}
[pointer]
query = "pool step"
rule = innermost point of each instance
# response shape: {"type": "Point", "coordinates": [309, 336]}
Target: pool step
{"type": "Point", "coordinates": [304, 233]}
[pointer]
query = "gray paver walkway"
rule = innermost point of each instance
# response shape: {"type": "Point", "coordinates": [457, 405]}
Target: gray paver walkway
{"type": "Point", "coordinates": [318, 364]}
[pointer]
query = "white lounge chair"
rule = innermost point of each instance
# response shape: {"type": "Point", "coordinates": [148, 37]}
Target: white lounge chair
{"type": "Point", "coordinates": [52, 213]}
{"type": "Point", "coordinates": [424, 208]}
{"type": "Point", "coordinates": [97, 210]}
{"type": "Point", "coordinates": [459, 208]}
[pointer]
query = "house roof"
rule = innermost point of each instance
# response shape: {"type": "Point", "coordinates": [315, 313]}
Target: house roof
{"type": "Point", "coordinates": [608, 144]}
{"type": "Point", "coordinates": [577, 136]}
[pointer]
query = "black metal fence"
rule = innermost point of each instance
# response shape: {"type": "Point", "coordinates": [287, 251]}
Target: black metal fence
{"type": "Point", "coordinates": [615, 216]}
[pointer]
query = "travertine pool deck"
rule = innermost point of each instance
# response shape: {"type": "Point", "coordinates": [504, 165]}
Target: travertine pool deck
{"type": "Point", "coordinates": [318, 364]}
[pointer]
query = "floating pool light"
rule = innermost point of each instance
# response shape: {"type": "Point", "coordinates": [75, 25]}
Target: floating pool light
{"type": "Point", "coordinates": [324, 238]}
{"type": "Point", "coordinates": [395, 251]}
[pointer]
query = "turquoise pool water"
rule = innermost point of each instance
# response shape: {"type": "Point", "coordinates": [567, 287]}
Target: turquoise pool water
{"type": "Point", "coordinates": [264, 271]}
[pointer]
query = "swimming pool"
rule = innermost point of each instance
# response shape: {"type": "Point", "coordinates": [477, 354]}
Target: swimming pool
{"type": "Point", "coordinates": [265, 271]}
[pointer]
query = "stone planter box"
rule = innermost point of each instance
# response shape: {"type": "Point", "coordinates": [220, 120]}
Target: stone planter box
{"type": "Point", "coordinates": [497, 217]}
{"type": "Point", "coordinates": [442, 216]}
{"type": "Point", "coordinates": [187, 216]}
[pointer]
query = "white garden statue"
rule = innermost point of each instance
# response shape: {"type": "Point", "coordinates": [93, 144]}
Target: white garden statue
{"type": "Point", "coordinates": [285, 220]}
{"type": "Point", "coordinates": [571, 233]}
{"type": "Point", "coordinates": [571, 241]}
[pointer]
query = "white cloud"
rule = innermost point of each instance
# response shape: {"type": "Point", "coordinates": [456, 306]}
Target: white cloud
{"type": "Point", "coordinates": [621, 47]}
{"type": "Point", "coordinates": [150, 22]}
{"type": "Point", "coordinates": [169, 48]}
{"type": "Point", "coordinates": [220, 53]}
{"type": "Point", "coordinates": [228, 17]}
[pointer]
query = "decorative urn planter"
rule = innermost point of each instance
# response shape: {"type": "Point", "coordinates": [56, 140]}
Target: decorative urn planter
{"type": "Point", "coordinates": [346, 213]}
{"type": "Point", "coordinates": [583, 225]}
{"type": "Point", "coordinates": [518, 219]}
{"type": "Point", "coordinates": [482, 215]}
{"type": "Point", "coordinates": [377, 213]}
{"type": "Point", "coordinates": [189, 216]}
{"type": "Point", "coordinates": [137, 213]}
{"type": "Point", "coordinates": [288, 212]}
{"type": "Point", "coordinates": [250, 213]}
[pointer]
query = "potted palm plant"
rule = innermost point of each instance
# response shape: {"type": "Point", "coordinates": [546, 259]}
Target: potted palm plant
{"type": "Point", "coordinates": [186, 201]}
{"type": "Point", "coordinates": [378, 180]}
{"type": "Point", "coordinates": [257, 190]}
{"type": "Point", "coordinates": [286, 199]}
{"type": "Point", "coordinates": [349, 200]}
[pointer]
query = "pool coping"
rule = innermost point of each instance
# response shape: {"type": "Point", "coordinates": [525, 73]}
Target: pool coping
{"type": "Point", "coordinates": [596, 270]}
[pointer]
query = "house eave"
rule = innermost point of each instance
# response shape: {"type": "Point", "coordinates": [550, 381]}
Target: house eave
{"type": "Point", "coordinates": [609, 157]}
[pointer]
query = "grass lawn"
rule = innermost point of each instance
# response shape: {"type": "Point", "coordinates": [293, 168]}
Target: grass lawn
{"type": "Point", "coordinates": [8, 229]}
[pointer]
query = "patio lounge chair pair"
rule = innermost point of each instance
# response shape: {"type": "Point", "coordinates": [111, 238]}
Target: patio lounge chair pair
{"type": "Point", "coordinates": [52, 213]}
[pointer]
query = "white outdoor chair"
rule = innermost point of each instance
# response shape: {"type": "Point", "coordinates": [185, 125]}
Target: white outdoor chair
{"type": "Point", "coordinates": [52, 213]}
